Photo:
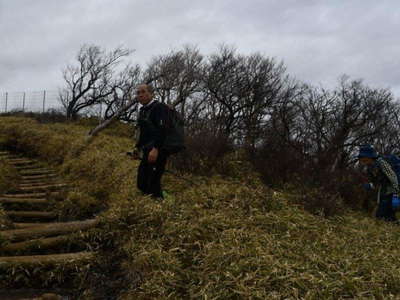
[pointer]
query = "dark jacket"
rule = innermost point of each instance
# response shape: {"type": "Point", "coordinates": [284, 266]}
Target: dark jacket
{"type": "Point", "coordinates": [152, 126]}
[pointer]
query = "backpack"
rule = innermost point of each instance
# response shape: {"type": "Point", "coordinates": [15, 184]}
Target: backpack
{"type": "Point", "coordinates": [175, 139]}
{"type": "Point", "coordinates": [175, 130]}
{"type": "Point", "coordinates": [394, 162]}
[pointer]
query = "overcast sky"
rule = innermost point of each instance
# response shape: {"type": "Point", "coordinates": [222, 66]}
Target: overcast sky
{"type": "Point", "coordinates": [317, 40]}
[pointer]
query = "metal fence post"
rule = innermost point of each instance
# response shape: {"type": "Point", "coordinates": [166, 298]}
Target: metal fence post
{"type": "Point", "coordinates": [6, 100]}
{"type": "Point", "coordinates": [44, 99]}
{"type": "Point", "coordinates": [23, 102]}
{"type": "Point", "coordinates": [101, 112]}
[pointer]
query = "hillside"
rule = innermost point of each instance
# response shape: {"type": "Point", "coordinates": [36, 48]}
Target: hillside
{"type": "Point", "coordinates": [211, 238]}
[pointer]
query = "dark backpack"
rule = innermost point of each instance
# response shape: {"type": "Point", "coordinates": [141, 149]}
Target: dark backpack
{"type": "Point", "coordinates": [175, 139]}
{"type": "Point", "coordinates": [394, 162]}
{"type": "Point", "coordinates": [175, 130]}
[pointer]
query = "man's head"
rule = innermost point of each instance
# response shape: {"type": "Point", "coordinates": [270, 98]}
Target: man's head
{"type": "Point", "coordinates": [144, 93]}
{"type": "Point", "coordinates": [367, 154]}
{"type": "Point", "coordinates": [366, 160]}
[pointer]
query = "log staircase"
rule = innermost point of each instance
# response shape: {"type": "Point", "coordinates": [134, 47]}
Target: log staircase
{"type": "Point", "coordinates": [37, 237]}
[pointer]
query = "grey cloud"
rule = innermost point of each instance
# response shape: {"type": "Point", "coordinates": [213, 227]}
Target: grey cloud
{"type": "Point", "coordinates": [318, 40]}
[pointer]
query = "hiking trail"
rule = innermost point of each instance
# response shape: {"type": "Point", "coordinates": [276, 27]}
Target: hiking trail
{"type": "Point", "coordinates": [38, 238]}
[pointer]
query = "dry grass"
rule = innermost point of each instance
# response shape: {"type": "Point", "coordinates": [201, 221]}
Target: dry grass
{"type": "Point", "coordinates": [221, 238]}
{"type": "Point", "coordinates": [8, 179]}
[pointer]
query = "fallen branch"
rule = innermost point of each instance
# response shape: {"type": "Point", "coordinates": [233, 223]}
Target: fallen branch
{"type": "Point", "coordinates": [106, 123]}
{"type": "Point", "coordinates": [92, 133]}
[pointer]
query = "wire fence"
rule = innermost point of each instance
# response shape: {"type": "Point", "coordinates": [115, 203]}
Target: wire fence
{"type": "Point", "coordinates": [40, 102]}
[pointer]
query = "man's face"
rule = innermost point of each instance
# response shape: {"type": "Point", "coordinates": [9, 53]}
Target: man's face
{"type": "Point", "coordinates": [143, 95]}
{"type": "Point", "coordinates": [366, 161]}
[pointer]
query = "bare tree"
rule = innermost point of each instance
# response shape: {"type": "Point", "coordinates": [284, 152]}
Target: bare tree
{"type": "Point", "coordinates": [90, 80]}
{"type": "Point", "coordinates": [178, 76]}
{"type": "Point", "coordinates": [361, 114]}
{"type": "Point", "coordinates": [389, 141]}
{"type": "Point", "coordinates": [243, 88]}
{"type": "Point", "coordinates": [263, 85]}
{"type": "Point", "coordinates": [284, 127]}
{"type": "Point", "coordinates": [329, 125]}
{"type": "Point", "coordinates": [124, 92]}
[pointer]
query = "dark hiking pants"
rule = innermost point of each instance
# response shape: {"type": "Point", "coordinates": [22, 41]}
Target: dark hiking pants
{"type": "Point", "coordinates": [149, 175]}
{"type": "Point", "coordinates": [385, 210]}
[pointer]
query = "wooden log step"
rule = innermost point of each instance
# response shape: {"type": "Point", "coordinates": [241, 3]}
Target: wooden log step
{"type": "Point", "coordinates": [46, 259]}
{"type": "Point", "coordinates": [26, 167]}
{"type": "Point", "coordinates": [38, 183]}
{"type": "Point", "coordinates": [5, 158]}
{"type": "Point", "coordinates": [36, 180]}
{"type": "Point", "coordinates": [31, 214]}
{"type": "Point", "coordinates": [30, 225]}
{"type": "Point", "coordinates": [41, 187]}
{"type": "Point", "coordinates": [23, 200]}
{"type": "Point", "coordinates": [42, 243]}
{"type": "Point", "coordinates": [32, 294]}
{"type": "Point", "coordinates": [30, 177]}
{"type": "Point", "coordinates": [30, 195]}
{"type": "Point", "coordinates": [22, 167]}
{"type": "Point", "coordinates": [57, 228]}
{"type": "Point", "coordinates": [20, 161]}
{"type": "Point", "coordinates": [40, 171]}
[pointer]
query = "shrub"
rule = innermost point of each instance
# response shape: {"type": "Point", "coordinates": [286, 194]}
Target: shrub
{"type": "Point", "coordinates": [318, 201]}
{"type": "Point", "coordinates": [204, 153]}
{"type": "Point", "coordinates": [50, 116]}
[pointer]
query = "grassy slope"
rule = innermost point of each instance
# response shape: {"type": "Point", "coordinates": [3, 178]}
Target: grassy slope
{"type": "Point", "coordinates": [220, 239]}
{"type": "Point", "coordinates": [8, 177]}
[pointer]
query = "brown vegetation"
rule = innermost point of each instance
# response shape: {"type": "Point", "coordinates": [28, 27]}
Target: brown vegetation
{"type": "Point", "coordinates": [219, 237]}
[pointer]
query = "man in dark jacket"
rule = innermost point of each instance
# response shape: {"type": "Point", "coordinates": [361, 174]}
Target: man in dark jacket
{"type": "Point", "coordinates": [152, 132]}
{"type": "Point", "coordinates": [382, 176]}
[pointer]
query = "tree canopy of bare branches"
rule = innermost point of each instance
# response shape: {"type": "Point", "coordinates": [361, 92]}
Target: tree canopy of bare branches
{"type": "Point", "coordinates": [242, 89]}
{"type": "Point", "coordinates": [241, 100]}
{"type": "Point", "coordinates": [178, 76]}
{"type": "Point", "coordinates": [91, 79]}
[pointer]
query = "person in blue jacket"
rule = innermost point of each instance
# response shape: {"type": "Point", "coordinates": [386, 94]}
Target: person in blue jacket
{"type": "Point", "coordinates": [382, 177]}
